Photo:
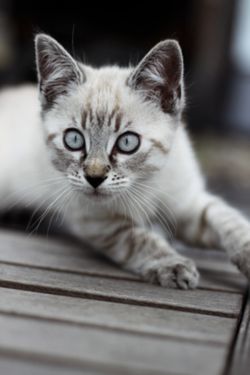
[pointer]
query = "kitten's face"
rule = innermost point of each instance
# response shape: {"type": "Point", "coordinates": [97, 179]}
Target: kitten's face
{"type": "Point", "coordinates": [111, 129]}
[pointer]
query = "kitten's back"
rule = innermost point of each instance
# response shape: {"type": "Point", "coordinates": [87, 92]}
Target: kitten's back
{"type": "Point", "coordinates": [23, 159]}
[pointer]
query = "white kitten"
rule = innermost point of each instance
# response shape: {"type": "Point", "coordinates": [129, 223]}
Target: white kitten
{"type": "Point", "coordinates": [108, 148]}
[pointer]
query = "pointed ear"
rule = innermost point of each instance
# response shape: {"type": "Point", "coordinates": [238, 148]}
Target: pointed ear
{"type": "Point", "coordinates": [57, 70]}
{"type": "Point", "coordinates": [159, 76]}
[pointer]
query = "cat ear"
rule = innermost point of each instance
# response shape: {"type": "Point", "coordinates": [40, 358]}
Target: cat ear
{"type": "Point", "coordinates": [159, 76]}
{"type": "Point", "coordinates": [57, 70]}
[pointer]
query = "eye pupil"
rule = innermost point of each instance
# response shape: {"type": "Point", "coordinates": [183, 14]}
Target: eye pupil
{"type": "Point", "coordinates": [128, 143]}
{"type": "Point", "coordinates": [73, 140]}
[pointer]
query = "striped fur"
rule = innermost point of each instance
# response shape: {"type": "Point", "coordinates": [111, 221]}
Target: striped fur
{"type": "Point", "coordinates": [159, 183]}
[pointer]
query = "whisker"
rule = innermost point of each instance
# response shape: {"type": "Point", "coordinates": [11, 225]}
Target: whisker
{"type": "Point", "coordinates": [42, 203]}
{"type": "Point", "coordinates": [139, 208]}
{"type": "Point", "coordinates": [61, 211]}
{"type": "Point", "coordinates": [161, 202]}
{"type": "Point", "coordinates": [29, 189]}
{"type": "Point", "coordinates": [46, 211]}
{"type": "Point", "coordinates": [157, 211]}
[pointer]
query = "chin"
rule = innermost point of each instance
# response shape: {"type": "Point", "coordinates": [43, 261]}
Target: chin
{"type": "Point", "coordinates": [99, 196]}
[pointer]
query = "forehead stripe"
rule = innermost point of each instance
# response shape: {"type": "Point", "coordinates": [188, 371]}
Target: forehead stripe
{"type": "Point", "coordinates": [100, 119]}
{"type": "Point", "coordinates": [118, 122]}
{"type": "Point", "coordinates": [84, 118]}
{"type": "Point", "coordinates": [111, 117]}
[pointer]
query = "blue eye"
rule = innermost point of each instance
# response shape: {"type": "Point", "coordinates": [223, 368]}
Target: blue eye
{"type": "Point", "coordinates": [128, 143]}
{"type": "Point", "coordinates": [73, 140]}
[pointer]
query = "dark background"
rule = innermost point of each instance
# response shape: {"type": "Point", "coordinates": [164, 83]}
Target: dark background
{"type": "Point", "coordinates": [122, 33]}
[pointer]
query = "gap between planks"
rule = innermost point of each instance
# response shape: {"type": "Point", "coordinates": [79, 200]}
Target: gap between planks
{"type": "Point", "coordinates": [216, 272]}
{"type": "Point", "coordinates": [107, 315]}
{"type": "Point", "coordinates": [74, 254]}
{"type": "Point", "coordinates": [124, 300]}
{"type": "Point", "coordinates": [238, 359]}
{"type": "Point", "coordinates": [209, 279]}
{"type": "Point", "coordinates": [200, 301]}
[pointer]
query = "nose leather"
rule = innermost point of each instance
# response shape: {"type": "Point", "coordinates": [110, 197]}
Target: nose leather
{"type": "Point", "coordinates": [95, 181]}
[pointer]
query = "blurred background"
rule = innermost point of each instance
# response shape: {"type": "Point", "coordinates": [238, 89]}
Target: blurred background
{"type": "Point", "coordinates": [215, 38]}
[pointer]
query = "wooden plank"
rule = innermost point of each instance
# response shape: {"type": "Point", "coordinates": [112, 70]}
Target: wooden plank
{"type": "Point", "coordinates": [124, 351]}
{"type": "Point", "coordinates": [201, 301]}
{"type": "Point", "coordinates": [109, 315]}
{"type": "Point", "coordinates": [13, 244]}
{"type": "Point", "coordinates": [99, 267]}
{"type": "Point", "coordinates": [208, 259]}
{"type": "Point", "coordinates": [34, 366]}
{"type": "Point", "coordinates": [31, 366]}
{"type": "Point", "coordinates": [239, 360]}
{"type": "Point", "coordinates": [14, 366]}
{"type": "Point", "coordinates": [54, 255]}
{"type": "Point", "coordinates": [222, 282]}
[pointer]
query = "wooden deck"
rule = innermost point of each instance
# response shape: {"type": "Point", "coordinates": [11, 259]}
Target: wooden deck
{"type": "Point", "coordinates": [64, 310]}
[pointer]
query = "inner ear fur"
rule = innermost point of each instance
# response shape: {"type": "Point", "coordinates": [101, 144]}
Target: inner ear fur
{"type": "Point", "coordinates": [57, 70]}
{"type": "Point", "coordinates": [159, 76]}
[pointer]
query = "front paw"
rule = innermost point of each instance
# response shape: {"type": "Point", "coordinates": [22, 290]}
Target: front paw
{"type": "Point", "coordinates": [172, 271]}
{"type": "Point", "coordinates": [242, 260]}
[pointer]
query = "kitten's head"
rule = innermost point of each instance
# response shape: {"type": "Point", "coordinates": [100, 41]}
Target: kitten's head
{"type": "Point", "coordinates": [109, 129]}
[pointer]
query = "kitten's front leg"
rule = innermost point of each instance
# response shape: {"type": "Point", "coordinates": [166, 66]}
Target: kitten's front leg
{"type": "Point", "coordinates": [212, 222]}
{"type": "Point", "coordinates": [143, 252]}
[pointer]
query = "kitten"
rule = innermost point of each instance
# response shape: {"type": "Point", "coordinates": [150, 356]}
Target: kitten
{"type": "Point", "coordinates": [109, 150]}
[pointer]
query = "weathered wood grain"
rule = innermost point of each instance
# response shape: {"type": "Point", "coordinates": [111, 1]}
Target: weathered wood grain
{"type": "Point", "coordinates": [239, 361]}
{"type": "Point", "coordinates": [12, 366]}
{"type": "Point", "coordinates": [64, 309]}
{"type": "Point", "coordinates": [14, 244]}
{"type": "Point", "coordinates": [36, 364]}
{"type": "Point", "coordinates": [54, 255]}
{"type": "Point", "coordinates": [110, 315]}
{"type": "Point", "coordinates": [222, 282]}
{"type": "Point", "coordinates": [199, 301]}
{"type": "Point", "coordinates": [128, 351]}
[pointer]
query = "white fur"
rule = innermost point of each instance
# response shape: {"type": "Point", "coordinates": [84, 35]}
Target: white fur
{"type": "Point", "coordinates": [24, 162]}
{"type": "Point", "coordinates": [177, 187]}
